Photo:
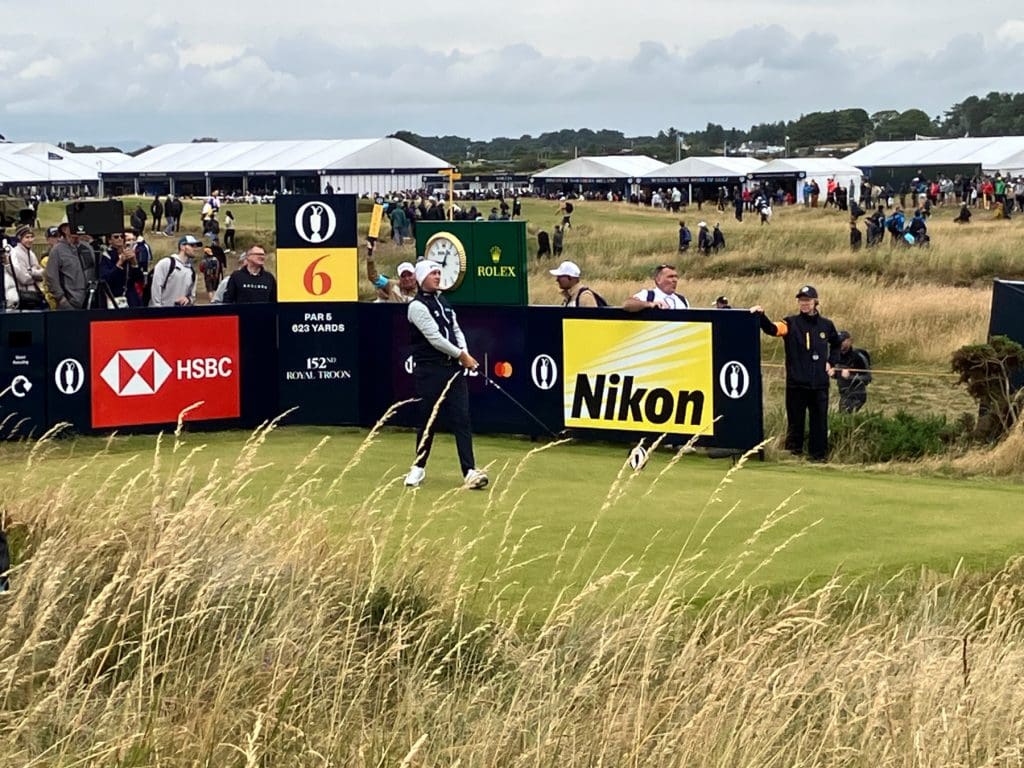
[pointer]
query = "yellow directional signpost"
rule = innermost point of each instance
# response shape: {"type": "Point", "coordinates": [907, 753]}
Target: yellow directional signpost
{"type": "Point", "coordinates": [453, 176]}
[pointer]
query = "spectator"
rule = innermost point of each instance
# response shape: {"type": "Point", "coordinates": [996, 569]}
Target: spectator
{"type": "Point", "coordinates": [567, 275]}
{"type": "Point", "coordinates": [252, 284]}
{"type": "Point", "coordinates": [662, 296]}
{"type": "Point", "coordinates": [557, 241]}
{"type": "Point", "coordinates": [26, 270]}
{"type": "Point", "coordinates": [229, 231]}
{"type": "Point", "coordinates": [852, 373]}
{"type": "Point", "coordinates": [174, 278]}
{"type": "Point", "coordinates": [685, 238]}
{"type": "Point", "coordinates": [703, 238]}
{"type": "Point", "coordinates": [156, 208]}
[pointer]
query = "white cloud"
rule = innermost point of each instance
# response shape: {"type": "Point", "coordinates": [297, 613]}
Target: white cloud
{"type": "Point", "coordinates": [264, 70]}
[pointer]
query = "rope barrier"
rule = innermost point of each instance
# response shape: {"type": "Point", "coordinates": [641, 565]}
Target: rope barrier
{"type": "Point", "coordinates": [878, 370]}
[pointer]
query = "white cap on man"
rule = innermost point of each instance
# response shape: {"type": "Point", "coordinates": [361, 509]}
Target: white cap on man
{"type": "Point", "coordinates": [405, 266]}
{"type": "Point", "coordinates": [565, 269]}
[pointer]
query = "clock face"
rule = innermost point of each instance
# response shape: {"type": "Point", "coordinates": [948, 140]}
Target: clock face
{"type": "Point", "coordinates": [446, 249]}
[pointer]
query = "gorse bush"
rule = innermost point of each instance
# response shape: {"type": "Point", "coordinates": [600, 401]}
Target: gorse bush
{"type": "Point", "coordinates": [867, 437]}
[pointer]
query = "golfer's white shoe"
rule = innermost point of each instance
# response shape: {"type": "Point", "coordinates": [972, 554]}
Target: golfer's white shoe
{"type": "Point", "coordinates": [476, 479]}
{"type": "Point", "coordinates": [415, 476]}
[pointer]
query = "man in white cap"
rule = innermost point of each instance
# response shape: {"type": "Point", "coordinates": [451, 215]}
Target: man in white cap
{"type": "Point", "coordinates": [400, 291]}
{"type": "Point", "coordinates": [439, 355]}
{"type": "Point", "coordinates": [567, 275]}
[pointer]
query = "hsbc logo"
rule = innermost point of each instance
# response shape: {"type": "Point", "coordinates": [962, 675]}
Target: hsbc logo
{"type": "Point", "coordinates": [136, 372]}
{"type": "Point", "coordinates": [163, 368]}
{"type": "Point", "coordinates": [144, 371]}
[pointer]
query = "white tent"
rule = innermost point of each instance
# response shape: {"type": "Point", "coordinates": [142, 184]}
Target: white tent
{"type": "Point", "coordinates": [991, 153]}
{"type": "Point", "coordinates": [705, 169]}
{"type": "Point", "coordinates": [349, 165]}
{"type": "Point", "coordinates": [601, 169]}
{"type": "Point", "coordinates": [798, 170]}
{"type": "Point", "coordinates": [621, 172]}
{"type": "Point", "coordinates": [38, 164]}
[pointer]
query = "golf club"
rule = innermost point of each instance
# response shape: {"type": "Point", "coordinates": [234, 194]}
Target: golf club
{"type": "Point", "coordinates": [523, 408]}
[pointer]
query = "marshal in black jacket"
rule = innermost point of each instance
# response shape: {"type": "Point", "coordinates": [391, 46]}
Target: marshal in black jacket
{"type": "Point", "coordinates": [810, 341]}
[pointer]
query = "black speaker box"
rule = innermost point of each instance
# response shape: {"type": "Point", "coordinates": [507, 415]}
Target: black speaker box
{"type": "Point", "coordinates": [99, 217]}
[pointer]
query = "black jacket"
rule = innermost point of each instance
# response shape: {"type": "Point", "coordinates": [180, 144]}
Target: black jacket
{"type": "Point", "coordinates": [810, 341]}
{"type": "Point", "coordinates": [246, 288]}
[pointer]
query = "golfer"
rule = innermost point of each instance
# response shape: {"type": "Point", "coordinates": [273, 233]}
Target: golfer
{"type": "Point", "coordinates": [439, 356]}
{"type": "Point", "coordinates": [812, 348]}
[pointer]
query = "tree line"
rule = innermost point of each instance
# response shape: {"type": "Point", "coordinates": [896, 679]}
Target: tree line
{"type": "Point", "coordinates": [997, 114]}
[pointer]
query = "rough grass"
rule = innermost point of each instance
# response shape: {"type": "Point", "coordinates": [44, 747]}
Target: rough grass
{"type": "Point", "coordinates": [152, 624]}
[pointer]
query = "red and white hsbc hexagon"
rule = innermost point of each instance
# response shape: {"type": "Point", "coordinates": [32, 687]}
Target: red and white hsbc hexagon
{"type": "Point", "coordinates": [149, 371]}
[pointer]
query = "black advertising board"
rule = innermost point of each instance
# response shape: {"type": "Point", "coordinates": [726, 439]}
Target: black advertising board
{"type": "Point", "coordinates": [1007, 317]}
{"type": "Point", "coordinates": [599, 373]}
{"type": "Point", "coordinates": [22, 375]}
{"type": "Point", "coordinates": [141, 368]}
{"type": "Point", "coordinates": [318, 373]}
{"type": "Point", "coordinates": [603, 373]}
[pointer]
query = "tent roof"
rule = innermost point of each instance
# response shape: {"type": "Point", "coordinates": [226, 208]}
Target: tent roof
{"type": "Point", "coordinates": [989, 152]}
{"type": "Point", "coordinates": [607, 167]}
{"type": "Point", "coordinates": [707, 167]}
{"type": "Point", "coordinates": [282, 156]}
{"type": "Point", "coordinates": [810, 165]}
{"type": "Point", "coordinates": [1014, 163]}
{"type": "Point", "coordinates": [40, 163]}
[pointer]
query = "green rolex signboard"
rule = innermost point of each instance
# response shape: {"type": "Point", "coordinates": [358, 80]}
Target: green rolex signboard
{"type": "Point", "coordinates": [482, 262]}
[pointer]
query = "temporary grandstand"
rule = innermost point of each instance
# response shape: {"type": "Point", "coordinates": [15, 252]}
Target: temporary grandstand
{"type": "Point", "coordinates": [358, 166]}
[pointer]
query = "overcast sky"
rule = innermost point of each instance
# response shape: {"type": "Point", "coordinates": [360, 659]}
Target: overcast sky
{"type": "Point", "coordinates": [150, 71]}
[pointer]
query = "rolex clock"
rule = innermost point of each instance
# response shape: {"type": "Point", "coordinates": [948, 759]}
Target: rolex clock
{"type": "Point", "coordinates": [447, 250]}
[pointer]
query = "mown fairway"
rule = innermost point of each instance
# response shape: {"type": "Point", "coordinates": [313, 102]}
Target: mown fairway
{"type": "Point", "coordinates": [556, 520]}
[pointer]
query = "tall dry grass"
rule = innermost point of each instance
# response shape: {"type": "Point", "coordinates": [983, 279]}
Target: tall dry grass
{"type": "Point", "coordinates": [151, 624]}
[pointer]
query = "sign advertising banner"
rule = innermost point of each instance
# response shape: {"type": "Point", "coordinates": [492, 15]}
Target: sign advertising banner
{"type": "Point", "coordinates": [149, 371]}
{"type": "Point", "coordinates": [638, 376]}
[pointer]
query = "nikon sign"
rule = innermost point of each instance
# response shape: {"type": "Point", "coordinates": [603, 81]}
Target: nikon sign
{"type": "Point", "coordinates": [638, 376]}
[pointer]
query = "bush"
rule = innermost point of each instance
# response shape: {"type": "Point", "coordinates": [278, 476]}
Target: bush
{"type": "Point", "coordinates": [866, 437]}
{"type": "Point", "coordinates": [987, 370]}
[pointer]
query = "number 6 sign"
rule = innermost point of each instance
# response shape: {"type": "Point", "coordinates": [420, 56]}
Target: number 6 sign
{"type": "Point", "coordinates": [317, 254]}
{"type": "Point", "coordinates": [313, 274]}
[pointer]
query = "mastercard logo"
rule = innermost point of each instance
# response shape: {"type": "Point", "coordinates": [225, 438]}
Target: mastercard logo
{"type": "Point", "coordinates": [503, 370]}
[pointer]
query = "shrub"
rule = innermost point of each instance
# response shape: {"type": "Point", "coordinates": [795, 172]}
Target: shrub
{"type": "Point", "coordinates": [987, 370]}
{"type": "Point", "coordinates": [866, 437]}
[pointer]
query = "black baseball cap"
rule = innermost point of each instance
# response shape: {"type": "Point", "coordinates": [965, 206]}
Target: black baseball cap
{"type": "Point", "coordinates": [807, 292]}
{"type": "Point", "coordinates": [844, 335]}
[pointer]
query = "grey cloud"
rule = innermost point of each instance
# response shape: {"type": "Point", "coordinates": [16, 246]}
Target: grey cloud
{"type": "Point", "coordinates": [302, 86]}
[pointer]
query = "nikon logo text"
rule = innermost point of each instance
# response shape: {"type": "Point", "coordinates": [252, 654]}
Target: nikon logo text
{"type": "Point", "coordinates": [617, 398]}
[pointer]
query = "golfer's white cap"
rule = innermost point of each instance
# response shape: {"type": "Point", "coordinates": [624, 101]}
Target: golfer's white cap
{"type": "Point", "coordinates": [565, 269]}
{"type": "Point", "coordinates": [424, 268]}
{"type": "Point", "coordinates": [405, 266]}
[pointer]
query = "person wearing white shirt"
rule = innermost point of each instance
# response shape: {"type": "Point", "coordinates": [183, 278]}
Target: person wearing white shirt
{"type": "Point", "coordinates": [662, 296]}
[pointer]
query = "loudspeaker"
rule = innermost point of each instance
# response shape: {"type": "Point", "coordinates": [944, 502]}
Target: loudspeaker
{"type": "Point", "coordinates": [99, 217]}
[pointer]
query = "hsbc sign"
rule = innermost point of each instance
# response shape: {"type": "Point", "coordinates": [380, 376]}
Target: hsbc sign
{"type": "Point", "coordinates": [179, 363]}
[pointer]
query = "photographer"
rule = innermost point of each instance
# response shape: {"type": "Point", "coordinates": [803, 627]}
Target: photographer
{"type": "Point", "coordinates": [120, 270]}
